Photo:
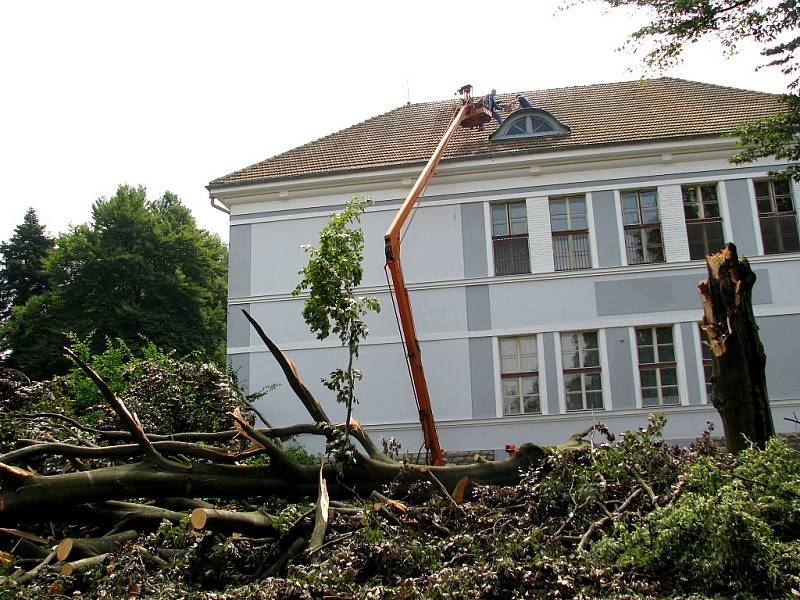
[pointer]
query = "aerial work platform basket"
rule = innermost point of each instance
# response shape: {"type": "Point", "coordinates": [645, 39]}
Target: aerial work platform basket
{"type": "Point", "coordinates": [478, 115]}
{"type": "Point", "coordinates": [478, 112]}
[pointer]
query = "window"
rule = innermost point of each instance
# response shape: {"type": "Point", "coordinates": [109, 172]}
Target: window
{"type": "Point", "coordinates": [643, 243]}
{"type": "Point", "coordinates": [510, 238]}
{"type": "Point", "coordinates": [580, 359]}
{"type": "Point", "coordinates": [703, 222]}
{"type": "Point", "coordinates": [777, 216]}
{"type": "Point", "coordinates": [707, 358]}
{"type": "Point", "coordinates": [570, 233]}
{"type": "Point", "coordinates": [529, 122]}
{"type": "Point", "coordinates": [658, 372]}
{"type": "Point", "coordinates": [529, 126]}
{"type": "Point", "coordinates": [519, 368]}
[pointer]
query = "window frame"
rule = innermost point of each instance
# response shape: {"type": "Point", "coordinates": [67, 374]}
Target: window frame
{"type": "Point", "coordinates": [657, 366]}
{"type": "Point", "coordinates": [706, 361]}
{"type": "Point", "coordinates": [571, 235]}
{"type": "Point", "coordinates": [525, 257]}
{"type": "Point", "coordinates": [519, 375]}
{"type": "Point", "coordinates": [702, 223]}
{"type": "Point", "coordinates": [582, 370]}
{"type": "Point", "coordinates": [528, 115]}
{"type": "Point", "coordinates": [781, 218]}
{"type": "Point", "coordinates": [641, 227]}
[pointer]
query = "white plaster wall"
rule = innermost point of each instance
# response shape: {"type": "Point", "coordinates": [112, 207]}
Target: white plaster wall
{"type": "Point", "coordinates": [555, 304]}
{"type": "Point", "coordinates": [277, 255]}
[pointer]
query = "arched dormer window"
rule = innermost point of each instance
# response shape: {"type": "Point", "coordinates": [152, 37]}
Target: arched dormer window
{"type": "Point", "coordinates": [529, 122]}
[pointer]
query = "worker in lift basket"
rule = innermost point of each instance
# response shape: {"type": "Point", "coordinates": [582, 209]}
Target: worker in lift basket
{"type": "Point", "coordinates": [494, 106]}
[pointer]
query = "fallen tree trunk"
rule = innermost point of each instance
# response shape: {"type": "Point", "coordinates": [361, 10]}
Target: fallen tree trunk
{"type": "Point", "coordinates": [185, 466]}
{"type": "Point", "coordinates": [738, 367]}
{"type": "Point", "coordinates": [146, 480]}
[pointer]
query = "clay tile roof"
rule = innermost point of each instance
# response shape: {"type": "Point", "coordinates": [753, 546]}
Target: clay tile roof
{"type": "Point", "coordinates": [611, 113]}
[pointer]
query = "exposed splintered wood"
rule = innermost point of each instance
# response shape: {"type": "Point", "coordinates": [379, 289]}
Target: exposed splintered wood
{"type": "Point", "coordinates": [321, 516]}
{"type": "Point", "coordinates": [739, 389]}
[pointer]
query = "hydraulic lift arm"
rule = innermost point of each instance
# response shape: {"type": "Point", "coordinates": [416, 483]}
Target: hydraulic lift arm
{"type": "Point", "coordinates": [392, 249]}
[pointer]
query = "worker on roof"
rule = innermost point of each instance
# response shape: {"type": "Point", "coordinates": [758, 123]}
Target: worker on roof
{"type": "Point", "coordinates": [523, 102]}
{"type": "Point", "coordinates": [493, 106]}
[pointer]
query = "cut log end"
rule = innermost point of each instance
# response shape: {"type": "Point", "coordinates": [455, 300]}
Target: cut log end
{"type": "Point", "coordinates": [199, 518]}
{"type": "Point", "coordinates": [63, 549]}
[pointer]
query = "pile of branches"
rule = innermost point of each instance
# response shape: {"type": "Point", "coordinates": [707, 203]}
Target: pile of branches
{"type": "Point", "coordinates": [111, 513]}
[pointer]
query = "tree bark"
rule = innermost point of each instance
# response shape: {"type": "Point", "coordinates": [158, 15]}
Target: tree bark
{"type": "Point", "coordinates": [739, 385]}
{"type": "Point", "coordinates": [148, 480]}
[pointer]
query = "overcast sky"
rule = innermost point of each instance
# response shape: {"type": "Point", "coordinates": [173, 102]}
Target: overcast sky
{"type": "Point", "coordinates": [171, 94]}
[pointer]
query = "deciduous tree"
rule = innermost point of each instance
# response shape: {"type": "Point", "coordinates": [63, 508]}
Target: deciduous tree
{"type": "Point", "coordinates": [331, 277]}
{"type": "Point", "coordinates": [139, 268]}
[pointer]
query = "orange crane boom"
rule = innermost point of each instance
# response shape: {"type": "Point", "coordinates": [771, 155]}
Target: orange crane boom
{"type": "Point", "coordinates": [466, 115]}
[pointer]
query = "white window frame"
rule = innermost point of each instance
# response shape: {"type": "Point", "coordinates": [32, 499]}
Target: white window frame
{"type": "Point", "coordinates": [582, 371]}
{"type": "Point", "coordinates": [676, 337]}
{"type": "Point", "coordinates": [519, 375]}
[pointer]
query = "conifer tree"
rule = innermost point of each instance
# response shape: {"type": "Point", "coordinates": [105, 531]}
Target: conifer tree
{"type": "Point", "coordinates": [22, 257]}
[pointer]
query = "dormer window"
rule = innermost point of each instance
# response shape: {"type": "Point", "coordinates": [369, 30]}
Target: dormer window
{"type": "Point", "coordinates": [529, 122]}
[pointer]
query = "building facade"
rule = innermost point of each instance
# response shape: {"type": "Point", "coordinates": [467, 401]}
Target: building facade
{"type": "Point", "coordinates": [552, 263]}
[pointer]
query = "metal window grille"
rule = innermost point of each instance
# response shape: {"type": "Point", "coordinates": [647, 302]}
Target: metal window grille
{"type": "Point", "coordinates": [510, 238]}
{"type": "Point", "coordinates": [571, 250]}
{"type": "Point", "coordinates": [777, 216]}
{"type": "Point", "coordinates": [703, 220]}
{"type": "Point", "coordinates": [570, 233]}
{"type": "Point", "coordinates": [511, 255]}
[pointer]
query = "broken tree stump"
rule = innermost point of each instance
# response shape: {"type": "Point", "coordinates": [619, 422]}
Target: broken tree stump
{"type": "Point", "coordinates": [738, 369]}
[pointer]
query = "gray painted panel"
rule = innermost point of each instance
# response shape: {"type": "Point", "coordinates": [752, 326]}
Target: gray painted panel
{"type": "Point", "coordinates": [481, 369]}
{"type": "Point", "coordinates": [519, 191]}
{"type": "Point", "coordinates": [479, 311]}
{"type": "Point", "coordinates": [690, 363]}
{"type": "Point", "coordinates": [550, 372]}
{"type": "Point", "coordinates": [620, 367]}
{"type": "Point", "coordinates": [658, 293]}
{"type": "Point", "coordinates": [606, 231]}
{"type": "Point", "coordinates": [240, 364]}
{"type": "Point", "coordinates": [239, 261]}
{"type": "Point", "coordinates": [779, 335]}
{"type": "Point", "coordinates": [740, 215]}
{"type": "Point", "coordinates": [473, 234]}
{"type": "Point", "coordinates": [238, 326]}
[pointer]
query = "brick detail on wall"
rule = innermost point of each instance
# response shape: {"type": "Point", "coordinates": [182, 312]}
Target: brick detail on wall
{"type": "Point", "coordinates": [673, 223]}
{"type": "Point", "coordinates": [540, 242]}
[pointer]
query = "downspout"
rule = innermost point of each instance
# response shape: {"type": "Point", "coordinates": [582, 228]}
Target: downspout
{"type": "Point", "coordinates": [219, 208]}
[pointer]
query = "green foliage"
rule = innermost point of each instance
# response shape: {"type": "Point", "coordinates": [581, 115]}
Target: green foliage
{"type": "Point", "coordinates": [331, 277]}
{"type": "Point", "coordinates": [772, 136]}
{"type": "Point", "coordinates": [717, 526]}
{"type": "Point", "coordinates": [22, 264]}
{"type": "Point", "coordinates": [168, 395]}
{"type": "Point", "coordinates": [729, 533]}
{"type": "Point", "coordinates": [300, 455]}
{"type": "Point", "coordinates": [139, 268]}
